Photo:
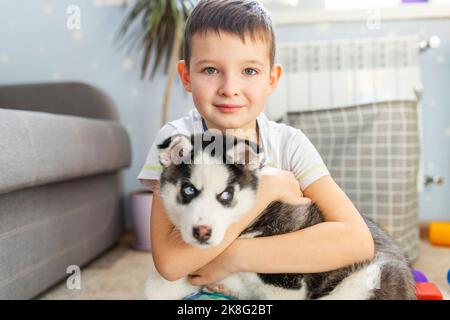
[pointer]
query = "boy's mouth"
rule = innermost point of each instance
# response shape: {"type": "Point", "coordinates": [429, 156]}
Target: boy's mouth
{"type": "Point", "coordinates": [228, 108]}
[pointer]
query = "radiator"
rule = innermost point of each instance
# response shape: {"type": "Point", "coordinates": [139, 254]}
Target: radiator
{"type": "Point", "coordinates": [343, 73]}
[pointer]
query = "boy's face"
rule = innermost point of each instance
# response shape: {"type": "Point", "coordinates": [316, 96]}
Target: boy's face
{"type": "Point", "coordinates": [226, 72]}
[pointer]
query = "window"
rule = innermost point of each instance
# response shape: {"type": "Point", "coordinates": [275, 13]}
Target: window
{"type": "Point", "coordinates": [336, 5]}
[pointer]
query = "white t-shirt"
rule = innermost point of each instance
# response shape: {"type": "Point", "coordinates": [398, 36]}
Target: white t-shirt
{"type": "Point", "coordinates": [284, 147]}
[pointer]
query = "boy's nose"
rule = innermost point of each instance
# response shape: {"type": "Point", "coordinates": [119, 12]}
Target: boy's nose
{"type": "Point", "coordinates": [228, 88]}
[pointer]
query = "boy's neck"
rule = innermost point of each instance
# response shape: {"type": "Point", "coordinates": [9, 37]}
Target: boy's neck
{"type": "Point", "coordinates": [248, 132]}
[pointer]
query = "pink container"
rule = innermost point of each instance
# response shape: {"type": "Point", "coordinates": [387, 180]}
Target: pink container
{"type": "Point", "coordinates": [141, 204]}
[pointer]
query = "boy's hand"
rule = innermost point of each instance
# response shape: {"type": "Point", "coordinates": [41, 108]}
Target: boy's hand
{"type": "Point", "coordinates": [281, 185]}
{"type": "Point", "coordinates": [218, 269]}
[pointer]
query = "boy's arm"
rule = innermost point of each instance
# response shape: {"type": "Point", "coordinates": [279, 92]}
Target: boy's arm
{"type": "Point", "coordinates": [175, 259]}
{"type": "Point", "coordinates": [341, 240]}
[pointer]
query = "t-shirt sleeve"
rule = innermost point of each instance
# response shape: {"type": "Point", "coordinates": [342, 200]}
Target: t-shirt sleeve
{"type": "Point", "coordinates": [151, 171]}
{"type": "Point", "coordinates": [305, 161]}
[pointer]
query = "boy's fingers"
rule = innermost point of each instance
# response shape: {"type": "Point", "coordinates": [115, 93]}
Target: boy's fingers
{"type": "Point", "coordinates": [193, 279]}
{"type": "Point", "coordinates": [219, 288]}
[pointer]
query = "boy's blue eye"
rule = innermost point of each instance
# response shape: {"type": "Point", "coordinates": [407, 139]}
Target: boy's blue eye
{"type": "Point", "coordinates": [209, 69]}
{"type": "Point", "coordinates": [252, 71]}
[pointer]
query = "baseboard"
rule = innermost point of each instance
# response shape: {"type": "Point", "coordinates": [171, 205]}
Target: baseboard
{"type": "Point", "coordinates": [127, 236]}
{"type": "Point", "coordinates": [424, 227]}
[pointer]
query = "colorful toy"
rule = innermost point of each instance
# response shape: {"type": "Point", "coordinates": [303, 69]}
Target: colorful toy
{"type": "Point", "coordinates": [439, 233]}
{"type": "Point", "coordinates": [428, 291]}
{"type": "Point", "coordinates": [205, 294]}
{"type": "Point", "coordinates": [448, 276]}
{"type": "Point", "coordinates": [419, 276]}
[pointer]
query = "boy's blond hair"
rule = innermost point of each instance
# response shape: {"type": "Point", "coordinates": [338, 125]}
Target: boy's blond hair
{"type": "Point", "coordinates": [239, 17]}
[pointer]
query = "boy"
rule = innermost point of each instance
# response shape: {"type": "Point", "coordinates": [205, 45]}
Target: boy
{"type": "Point", "coordinates": [228, 66]}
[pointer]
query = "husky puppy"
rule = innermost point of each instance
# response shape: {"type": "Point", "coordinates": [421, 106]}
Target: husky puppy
{"type": "Point", "coordinates": [204, 190]}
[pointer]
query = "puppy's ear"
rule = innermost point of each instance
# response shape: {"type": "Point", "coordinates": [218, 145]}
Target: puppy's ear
{"type": "Point", "coordinates": [174, 150]}
{"type": "Point", "coordinates": [244, 152]}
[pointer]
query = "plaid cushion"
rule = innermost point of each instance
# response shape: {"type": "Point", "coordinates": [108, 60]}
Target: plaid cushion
{"type": "Point", "coordinates": [373, 153]}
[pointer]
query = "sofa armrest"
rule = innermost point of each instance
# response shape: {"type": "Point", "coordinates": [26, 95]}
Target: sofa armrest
{"type": "Point", "coordinates": [38, 148]}
{"type": "Point", "coordinates": [69, 98]}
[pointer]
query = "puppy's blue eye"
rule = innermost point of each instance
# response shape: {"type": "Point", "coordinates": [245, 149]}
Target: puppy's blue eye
{"type": "Point", "coordinates": [226, 196]}
{"type": "Point", "coordinates": [189, 191]}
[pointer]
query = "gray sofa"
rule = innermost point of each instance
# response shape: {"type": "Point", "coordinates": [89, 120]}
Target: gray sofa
{"type": "Point", "coordinates": [62, 150]}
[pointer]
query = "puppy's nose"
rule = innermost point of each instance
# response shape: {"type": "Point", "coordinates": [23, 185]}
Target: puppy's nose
{"type": "Point", "coordinates": [202, 233]}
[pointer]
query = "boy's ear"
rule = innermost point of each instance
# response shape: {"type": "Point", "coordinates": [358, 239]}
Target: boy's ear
{"type": "Point", "coordinates": [275, 75]}
{"type": "Point", "coordinates": [183, 72]}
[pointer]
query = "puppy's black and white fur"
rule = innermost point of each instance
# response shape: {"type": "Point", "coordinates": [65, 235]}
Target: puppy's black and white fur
{"type": "Point", "coordinates": [209, 190]}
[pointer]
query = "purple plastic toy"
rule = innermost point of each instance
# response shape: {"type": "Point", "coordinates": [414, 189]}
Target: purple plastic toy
{"type": "Point", "coordinates": [414, 1]}
{"type": "Point", "coordinates": [419, 276]}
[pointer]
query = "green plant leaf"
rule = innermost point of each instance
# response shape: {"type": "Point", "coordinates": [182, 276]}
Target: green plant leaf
{"type": "Point", "coordinates": [158, 20]}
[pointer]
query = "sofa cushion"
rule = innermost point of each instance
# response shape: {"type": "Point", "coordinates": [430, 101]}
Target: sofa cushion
{"type": "Point", "coordinates": [38, 148]}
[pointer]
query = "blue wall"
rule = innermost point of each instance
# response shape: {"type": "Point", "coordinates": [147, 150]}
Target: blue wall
{"type": "Point", "coordinates": [35, 46]}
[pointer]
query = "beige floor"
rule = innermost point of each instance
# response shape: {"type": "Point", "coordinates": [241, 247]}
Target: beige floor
{"type": "Point", "coordinates": [120, 273]}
